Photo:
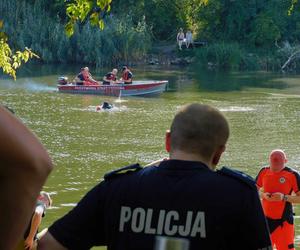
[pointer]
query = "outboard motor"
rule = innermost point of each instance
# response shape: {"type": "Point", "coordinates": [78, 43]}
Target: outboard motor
{"type": "Point", "coordinates": [62, 80]}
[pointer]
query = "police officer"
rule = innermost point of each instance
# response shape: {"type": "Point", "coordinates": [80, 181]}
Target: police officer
{"type": "Point", "coordinates": [181, 197]}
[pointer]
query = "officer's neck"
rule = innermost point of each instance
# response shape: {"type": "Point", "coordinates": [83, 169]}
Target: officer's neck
{"type": "Point", "coordinates": [184, 156]}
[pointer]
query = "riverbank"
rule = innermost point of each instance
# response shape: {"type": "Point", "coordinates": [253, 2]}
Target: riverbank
{"type": "Point", "coordinates": [228, 56]}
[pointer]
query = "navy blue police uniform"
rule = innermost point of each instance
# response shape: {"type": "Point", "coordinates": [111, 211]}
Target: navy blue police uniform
{"type": "Point", "coordinates": [212, 209]}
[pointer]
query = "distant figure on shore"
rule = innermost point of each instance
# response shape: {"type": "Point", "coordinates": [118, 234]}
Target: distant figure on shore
{"type": "Point", "coordinates": [180, 38]}
{"type": "Point", "coordinates": [126, 75]}
{"type": "Point", "coordinates": [110, 77]}
{"type": "Point", "coordinates": [189, 39]}
{"type": "Point", "coordinates": [85, 78]}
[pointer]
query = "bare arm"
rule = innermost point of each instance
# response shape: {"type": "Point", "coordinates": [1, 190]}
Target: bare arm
{"type": "Point", "coordinates": [35, 223]}
{"type": "Point", "coordinates": [24, 167]}
{"type": "Point", "coordinates": [293, 198]}
{"type": "Point", "coordinates": [92, 79]}
{"type": "Point", "coordinates": [48, 242]}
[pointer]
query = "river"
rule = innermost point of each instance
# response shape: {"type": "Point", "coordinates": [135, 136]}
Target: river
{"type": "Point", "coordinates": [263, 110]}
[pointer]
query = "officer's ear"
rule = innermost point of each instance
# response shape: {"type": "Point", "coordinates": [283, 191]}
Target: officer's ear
{"type": "Point", "coordinates": [217, 155]}
{"type": "Point", "coordinates": [168, 141]}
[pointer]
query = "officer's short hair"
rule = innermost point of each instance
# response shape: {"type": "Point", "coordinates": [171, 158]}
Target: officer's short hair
{"type": "Point", "coordinates": [199, 129]}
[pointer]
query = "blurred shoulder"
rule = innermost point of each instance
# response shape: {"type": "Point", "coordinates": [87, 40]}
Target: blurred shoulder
{"type": "Point", "coordinates": [237, 178]}
{"type": "Point", "coordinates": [123, 171]}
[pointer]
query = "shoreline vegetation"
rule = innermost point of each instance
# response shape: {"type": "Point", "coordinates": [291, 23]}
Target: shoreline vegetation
{"type": "Point", "coordinates": [240, 35]}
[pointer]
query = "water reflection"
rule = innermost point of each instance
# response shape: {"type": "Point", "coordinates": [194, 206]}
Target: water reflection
{"type": "Point", "coordinates": [228, 81]}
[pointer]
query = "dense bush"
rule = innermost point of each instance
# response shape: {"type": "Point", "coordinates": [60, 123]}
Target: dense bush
{"type": "Point", "coordinates": [32, 25]}
{"type": "Point", "coordinates": [221, 55]}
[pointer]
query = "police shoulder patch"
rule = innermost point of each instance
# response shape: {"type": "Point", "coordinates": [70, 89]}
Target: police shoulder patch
{"type": "Point", "coordinates": [238, 175]}
{"type": "Point", "coordinates": [123, 170]}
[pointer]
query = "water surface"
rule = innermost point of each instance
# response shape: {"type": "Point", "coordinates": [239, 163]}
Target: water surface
{"type": "Point", "coordinates": [262, 108]}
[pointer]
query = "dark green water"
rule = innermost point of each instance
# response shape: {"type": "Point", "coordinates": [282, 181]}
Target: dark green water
{"type": "Point", "coordinates": [263, 110]}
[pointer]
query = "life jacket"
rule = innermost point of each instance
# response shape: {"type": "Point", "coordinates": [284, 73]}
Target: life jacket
{"type": "Point", "coordinates": [126, 75]}
{"type": "Point", "coordinates": [111, 76]}
{"type": "Point", "coordinates": [85, 76]}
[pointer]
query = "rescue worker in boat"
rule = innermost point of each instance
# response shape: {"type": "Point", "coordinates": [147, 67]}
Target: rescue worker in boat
{"type": "Point", "coordinates": [110, 77]}
{"type": "Point", "coordinates": [126, 75]}
{"type": "Point", "coordinates": [85, 78]}
{"type": "Point", "coordinates": [181, 197]}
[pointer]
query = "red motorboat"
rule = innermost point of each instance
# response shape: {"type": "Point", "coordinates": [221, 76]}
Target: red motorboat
{"type": "Point", "coordinates": [136, 88]}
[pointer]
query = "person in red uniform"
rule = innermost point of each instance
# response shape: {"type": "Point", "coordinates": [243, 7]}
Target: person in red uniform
{"type": "Point", "coordinates": [279, 187]}
{"type": "Point", "coordinates": [110, 77]}
{"type": "Point", "coordinates": [126, 75]}
{"type": "Point", "coordinates": [85, 78]}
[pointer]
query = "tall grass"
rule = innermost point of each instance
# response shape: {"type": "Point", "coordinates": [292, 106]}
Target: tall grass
{"type": "Point", "coordinates": [221, 55]}
{"type": "Point", "coordinates": [31, 25]}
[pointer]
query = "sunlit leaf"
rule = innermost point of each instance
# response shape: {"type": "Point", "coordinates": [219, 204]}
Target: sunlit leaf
{"type": "Point", "coordinates": [3, 36]}
{"type": "Point", "coordinates": [69, 28]}
{"type": "Point", "coordinates": [101, 24]}
{"type": "Point", "coordinates": [94, 18]}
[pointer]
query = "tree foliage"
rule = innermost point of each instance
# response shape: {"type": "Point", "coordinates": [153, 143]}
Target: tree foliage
{"type": "Point", "coordinates": [42, 26]}
{"type": "Point", "coordinates": [82, 10]}
{"type": "Point", "coordinates": [9, 61]}
{"type": "Point", "coordinates": [32, 25]}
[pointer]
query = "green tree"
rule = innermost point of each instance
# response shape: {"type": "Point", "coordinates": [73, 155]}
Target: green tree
{"type": "Point", "coordinates": [9, 61]}
{"type": "Point", "coordinates": [77, 10]}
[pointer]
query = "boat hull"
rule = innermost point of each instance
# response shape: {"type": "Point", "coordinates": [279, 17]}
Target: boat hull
{"type": "Point", "coordinates": [141, 88]}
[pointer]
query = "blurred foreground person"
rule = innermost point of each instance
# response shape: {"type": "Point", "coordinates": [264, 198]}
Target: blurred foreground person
{"type": "Point", "coordinates": [24, 167]}
{"type": "Point", "coordinates": [43, 202]}
{"type": "Point", "coordinates": [279, 187]}
{"type": "Point", "coordinates": [181, 197]}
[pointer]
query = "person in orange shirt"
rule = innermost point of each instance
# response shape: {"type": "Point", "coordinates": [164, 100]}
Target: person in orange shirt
{"type": "Point", "coordinates": [279, 187]}
{"type": "Point", "coordinates": [85, 78]}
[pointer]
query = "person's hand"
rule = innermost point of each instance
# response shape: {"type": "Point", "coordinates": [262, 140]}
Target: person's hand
{"type": "Point", "coordinates": [266, 196]}
{"type": "Point", "coordinates": [277, 196]}
{"type": "Point", "coordinates": [29, 243]}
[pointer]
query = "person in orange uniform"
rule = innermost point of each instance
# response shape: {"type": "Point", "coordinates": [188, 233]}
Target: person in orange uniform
{"type": "Point", "coordinates": [110, 77]}
{"type": "Point", "coordinates": [126, 75]}
{"type": "Point", "coordinates": [85, 78]}
{"type": "Point", "coordinates": [279, 187]}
